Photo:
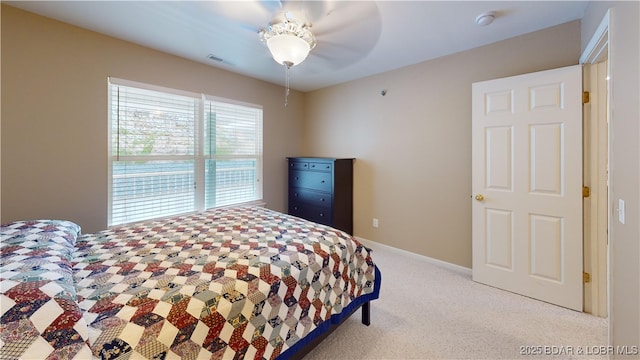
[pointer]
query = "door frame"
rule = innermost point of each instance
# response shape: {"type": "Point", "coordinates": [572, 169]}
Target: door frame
{"type": "Point", "coordinates": [597, 215]}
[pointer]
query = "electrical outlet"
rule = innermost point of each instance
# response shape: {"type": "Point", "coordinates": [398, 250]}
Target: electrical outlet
{"type": "Point", "coordinates": [375, 223]}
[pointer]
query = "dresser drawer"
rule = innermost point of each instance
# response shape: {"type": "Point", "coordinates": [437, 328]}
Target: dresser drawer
{"type": "Point", "coordinates": [311, 197]}
{"type": "Point", "coordinates": [320, 166]}
{"type": "Point", "coordinates": [318, 214]}
{"type": "Point", "coordinates": [298, 165]}
{"type": "Point", "coordinates": [311, 180]}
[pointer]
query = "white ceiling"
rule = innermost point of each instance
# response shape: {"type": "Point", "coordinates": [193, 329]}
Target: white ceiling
{"type": "Point", "coordinates": [355, 38]}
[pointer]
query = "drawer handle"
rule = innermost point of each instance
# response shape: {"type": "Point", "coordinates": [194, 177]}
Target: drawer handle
{"type": "Point", "coordinates": [295, 208]}
{"type": "Point", "coordinates": [322, 199]}
{"type": "Point", "coordinates": [313, 166]}
{"type": "Point", "coordinates": [321, 214]}
{"type": "Point", "coordinates": [322, 181]}
{"type": "Point", "coordinates": [297, 178]}
{"type": "Point", "coordinates": [296, 194]}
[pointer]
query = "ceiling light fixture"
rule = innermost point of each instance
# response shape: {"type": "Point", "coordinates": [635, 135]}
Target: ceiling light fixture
{"type": "Point", "coordinates": [485, 19]}
{"type": "Point", "coordinates": [289, 44]}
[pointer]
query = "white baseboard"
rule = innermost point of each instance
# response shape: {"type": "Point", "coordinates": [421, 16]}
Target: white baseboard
{"type": "Point", "coordinates": [373, 245]}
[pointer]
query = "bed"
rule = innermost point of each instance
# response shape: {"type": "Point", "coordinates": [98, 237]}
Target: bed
{"type": "Point", "coordinates": [244, 282]}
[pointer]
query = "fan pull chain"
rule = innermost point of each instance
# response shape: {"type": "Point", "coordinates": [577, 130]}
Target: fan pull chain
{"type": "Point", "coordinates": [287, 66]}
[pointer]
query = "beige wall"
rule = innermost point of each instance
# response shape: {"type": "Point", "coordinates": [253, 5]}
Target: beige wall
{"type": "Point", "coordinates": [54, 115]}
{"type": "Point", "coordinates": [624, 247]}
{"type": "Point", "coordinates": [413, 146]}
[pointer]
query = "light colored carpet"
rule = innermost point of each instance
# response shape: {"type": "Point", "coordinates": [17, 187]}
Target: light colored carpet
{"type": "Point", "coordinates": [428, 310]}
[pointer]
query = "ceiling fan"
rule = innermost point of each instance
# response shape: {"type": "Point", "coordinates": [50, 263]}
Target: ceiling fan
{"type": "Point", "coordinates": [345, 31]}
{"type": "Point", "coordinates": [334, 34]}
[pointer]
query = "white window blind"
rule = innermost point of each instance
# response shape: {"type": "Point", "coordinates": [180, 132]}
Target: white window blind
{"type": "Point", "coordinates": [173, 153]}
{"type": "Point", "coordinates": [234, 151]}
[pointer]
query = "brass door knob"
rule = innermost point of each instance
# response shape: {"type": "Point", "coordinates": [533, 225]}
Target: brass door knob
{"type": "Point", "coordinates": [479, 197]}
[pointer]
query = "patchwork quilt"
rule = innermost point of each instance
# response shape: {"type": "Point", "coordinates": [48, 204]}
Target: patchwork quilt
{"type": "Point", "coordinates": [228, 283]}
{"type": "Point", "coordinates": [40, 318]}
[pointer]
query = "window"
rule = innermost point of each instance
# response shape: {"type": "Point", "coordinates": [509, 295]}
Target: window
{"type": "Point", "coordinates": [174, 152]}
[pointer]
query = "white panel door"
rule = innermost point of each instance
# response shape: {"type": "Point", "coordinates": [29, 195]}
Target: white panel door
{"type": "Point", "coordinates": [527, 185]}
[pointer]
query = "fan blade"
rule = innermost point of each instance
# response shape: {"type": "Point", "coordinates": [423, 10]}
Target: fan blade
{"type": "Point", "coordinates": [304, 12]}
{"type": "Point", "coordinates": [342, 43]}
{"type": "Point", "coordinates": [331, 57]}
{"type": "Point", "coordinates": [250, 15]}
{"type": "Point", "coordinates": [358, 13]}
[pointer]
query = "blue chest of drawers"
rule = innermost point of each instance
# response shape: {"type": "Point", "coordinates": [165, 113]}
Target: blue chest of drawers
{"type": "Point", "coordinates": [321, 190]}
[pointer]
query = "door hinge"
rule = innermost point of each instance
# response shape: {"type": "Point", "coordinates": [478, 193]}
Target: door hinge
{"type": "Point", "coordinates": [586, 277]}
{"type": "Point", "coordinates": [585, 97]}
{"type": "Point", "coordinates": [586, 191]}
